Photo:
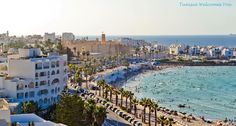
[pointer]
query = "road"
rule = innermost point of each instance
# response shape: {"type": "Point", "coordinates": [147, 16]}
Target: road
{"type": "Point", "coordinates": [114, 120]}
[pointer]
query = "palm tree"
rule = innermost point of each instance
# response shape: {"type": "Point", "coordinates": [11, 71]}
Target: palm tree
{"type": "Point", "coordinates": [90, 107]}
{"type": "Point", "coordinates": [110, 88]}
{"type": "Point", "coordinates": [100, 84]}
{"type": "Point", "coordinates": [135, 102]}
{"type": "Point", "coordinates": [100, 115]}
{"type": "Point", "coordinates": [86, 76]}
{"type": "Point", "coordinates": [106, 87]}
{"type": "Point", "coordinates": [170, 121]}
{"type": "Point", "coordinates": [30, 107]}
{"type": "Point", "coordinates": [122, 91]}
{"type": "Point", "coordinates": [144, 102]}
{"type": "Point", "coordinates": [130, 95]}
{"type": "Point", "coordinates": [149, 104]}
{"type": "Point", "coordinates": [155, 107]}
{"type": "Point", "coordinates": [162, 120]}
{"type": "Point", "coordinates": [126, 94]}
{"type": "Point", "coordinates": [116, 92]}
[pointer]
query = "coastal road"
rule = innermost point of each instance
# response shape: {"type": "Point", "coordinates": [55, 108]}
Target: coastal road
{"type": "Point", "coordinates": [114, 120]}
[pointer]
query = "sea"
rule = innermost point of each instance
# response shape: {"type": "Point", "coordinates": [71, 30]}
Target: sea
{"type": "Point", "coordinates": [202, 40]}
{"type": "Point", "coordinates": [208, 91]}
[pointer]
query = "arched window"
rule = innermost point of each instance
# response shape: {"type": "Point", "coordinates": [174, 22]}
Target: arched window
{"type": "Point", "coordinates": [58, 89]}
{"type": "Point", "coordinates": [52, 91]}
{"type": "Point", "coordinates": [53, 72]}
{"type": "Point", "coordinates": [31, 85]}
{"type": "Point", "coordinates": [58, 71]}
{"type": "Point", "coordinates": [20, 86]}
{"type": "Point", "coordinates": [40, 101]}
{"type": "Point", "coordinates": [55, 81]}
{"type": "Point", "coordinates": [26, 94]}
{"type": "Point", "coordinates": [45, 100]}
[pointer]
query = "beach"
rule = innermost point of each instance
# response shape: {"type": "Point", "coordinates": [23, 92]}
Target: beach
{"type": "Point", "coordinates": [177, 85]}
{"type": "Point", "coordinates": [133, 84]}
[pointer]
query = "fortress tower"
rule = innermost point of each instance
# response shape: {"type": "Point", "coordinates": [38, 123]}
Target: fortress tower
{"type": "Point", "coordinates": [103, 42]}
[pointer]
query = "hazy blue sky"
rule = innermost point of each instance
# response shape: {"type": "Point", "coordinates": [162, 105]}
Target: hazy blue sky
{"type": "Point", "coordinates": [115, 17]}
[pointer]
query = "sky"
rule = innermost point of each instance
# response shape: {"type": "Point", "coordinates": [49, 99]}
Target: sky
{"type": "Point", "coordinates": [116, 17]}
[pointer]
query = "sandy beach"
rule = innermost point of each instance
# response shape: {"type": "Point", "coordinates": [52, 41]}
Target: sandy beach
{"type": "Point", "coordinates": [180, 119]}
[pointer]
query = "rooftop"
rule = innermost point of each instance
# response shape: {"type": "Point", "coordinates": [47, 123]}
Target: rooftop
{"type": "Point", "coordinates": [4, 104]}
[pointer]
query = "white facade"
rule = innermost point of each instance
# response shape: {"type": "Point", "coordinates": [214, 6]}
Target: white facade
{"type": "Point", "coordinates": [176, 49]}
{"type": "Point", "coordinates": [24, 119]}
{"type": "Point", "coordinates": [215, 52]}
{"type": "Point", "coordinates": [4, 113]}
{"type": "Point", "coordinates": [67, 36]}
{"type": "Point", "coordinates": [227, 53]}
{"type": "Point", "coordinates": [40, 79]}
{"type": "Point", "coordinates": [195, 51]}
{"type": "Point", "coordinates": [49, 36]}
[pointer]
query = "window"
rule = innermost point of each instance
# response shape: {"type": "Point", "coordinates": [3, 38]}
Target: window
{"type": "Point", "coordinates": [42, 74]}
{"type": "Point", "coordinates": [38, 66]}
{"type": "Point", "coordinates": [36, 84]}
{"type": "Point", "coordinates": [31, 85]}
{"type": "Point", "coordinates": [43, 83]}
{"type": "Point", "coordinates": [45, 65]}
{"type": "Point", "coordinates": [58, 71]}
{"type": "Point", "coordinates": [55, 90]}
{"type": "Point", "coordinates": [20, 95]}
{"type": "Point", "coordinates": [48, 82]}
{"type": "Point", "coordinates": [31, 94]}
{"type": "Point", "coordinates": [55, 81]}
{"type": "Point", "coordinates": [57, 63]}
{"type": "Point", "coordinates": [26, 94]}
{"type": "Point", "coordinates": [52, 91]}
{"type": "Point", "coordinates": [53, 72]}
{"type": "Point", "coordinates": [25, 86]}
{"type": "Point", "coordinates": [45, 100]}
{"type": "Point", "coordinates": [58, 89]}
{"type": "Point", "coordinates": [43, 92]}
{"type": "Point", "coordinates": [53, 64]}
{"type": "Point", "coordinates": [20, 86]}
{"type": "Point", "coordinates": [36, 75]}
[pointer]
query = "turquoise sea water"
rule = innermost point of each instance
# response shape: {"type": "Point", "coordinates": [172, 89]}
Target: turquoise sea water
{"type": "Point", "coordinates": [206, 91]}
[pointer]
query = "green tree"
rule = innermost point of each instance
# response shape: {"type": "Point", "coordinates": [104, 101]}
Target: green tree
{"type": "Point", "coordinates": [144, 103]}
{"type": "Point", "coordinates": [69, 110]}
{"type": "Point", "coordinates": [30, 107]}
{"type": "Point", "coordinates": [155, 107]}
{"type": "Point", "coordinates": [135, 103]}
{"type": "Point", "coordinates": [90, 107]}
{"type": "Point", "coordinates": [100, 115]}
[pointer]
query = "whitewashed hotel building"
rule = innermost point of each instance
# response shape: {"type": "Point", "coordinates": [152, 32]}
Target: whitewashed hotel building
{"type": "Point", "coordinates": [32, 76]}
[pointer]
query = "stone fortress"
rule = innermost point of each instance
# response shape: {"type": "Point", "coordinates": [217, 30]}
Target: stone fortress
{"type": "Point", "coordinates": [97, 48]}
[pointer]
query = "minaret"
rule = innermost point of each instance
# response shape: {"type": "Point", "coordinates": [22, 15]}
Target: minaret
{"type": "Point", "coordinates": [7, 34]}
{"type": "Point", "coordinates": [103, 42]}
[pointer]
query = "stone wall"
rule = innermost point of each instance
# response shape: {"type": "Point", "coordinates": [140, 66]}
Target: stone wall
{"type": "Point", "coordinates": [95, 48]}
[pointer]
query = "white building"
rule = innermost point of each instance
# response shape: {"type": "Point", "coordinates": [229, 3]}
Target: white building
{"type": "Point", "coordinates": [67, 36]}
{"type": "Point", "coordinates": [49, 36]}
{"type": "Point", "coordinates": [4, 113]}
{"type": "Point", "coordinates": [215, 52]}
{"type": "Point", "coordinates": [6, 119]}
{"type": "Point", "coordinates": [176, 49]}
{"type": "Point", "coordinates": [132, 42]}
{"type": "Point", "coordinates": [234, 53]}
{"type": "Point", "coordinates": [33, 77]}
{"type": "Point", "coordinates": [195, 51]}
{"type": "Point", "coordinates": [227, 53]}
